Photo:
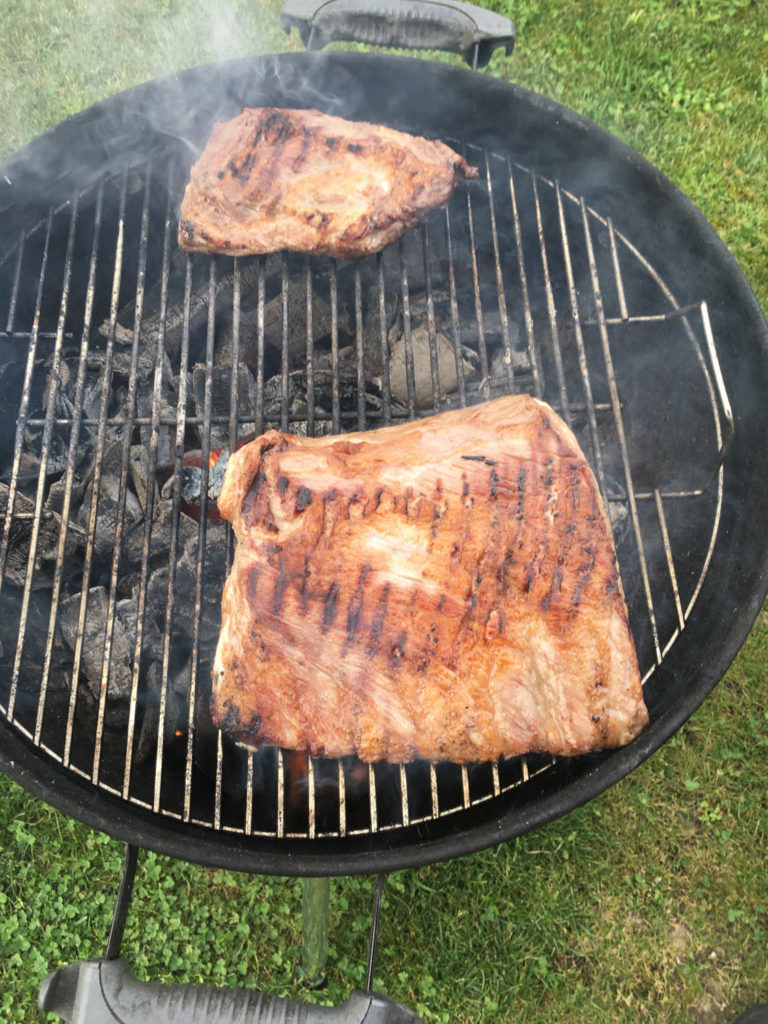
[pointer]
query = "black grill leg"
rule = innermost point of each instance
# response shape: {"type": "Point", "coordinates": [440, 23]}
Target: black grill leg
{"type": "Point", "coordinates": [124, 893]}
{"type": "Point", "coordinates": [374, 931]}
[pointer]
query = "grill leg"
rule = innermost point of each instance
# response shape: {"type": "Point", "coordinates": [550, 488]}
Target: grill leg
{"type": "Point", "coordinates": [374, 931]}
{"type": "Point", "coordinates": [314, 912]}
{"type": "Point", "coordinates": [315, 898]}
{"type": "Point", "coordinates": [124, 894]}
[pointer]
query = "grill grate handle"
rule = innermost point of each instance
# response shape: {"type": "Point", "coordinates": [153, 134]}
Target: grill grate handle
{"type": "Point", "coordinates": [106, 992]}
{"type": "Point", "coordinates": [407, 24]}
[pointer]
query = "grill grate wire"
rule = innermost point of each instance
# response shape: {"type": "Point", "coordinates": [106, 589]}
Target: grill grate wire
{"type": "Point", "coordinates": [512, 245]}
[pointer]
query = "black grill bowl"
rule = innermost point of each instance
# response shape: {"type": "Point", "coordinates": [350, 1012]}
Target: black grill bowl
{"type": "Point", "coordinates": [672, 258]}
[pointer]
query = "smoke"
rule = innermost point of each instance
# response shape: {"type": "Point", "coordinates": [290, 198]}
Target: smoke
{"type": "Point", "coordinates": [192, 32]}
{"type": "Point", "coordinates": [59, 58]}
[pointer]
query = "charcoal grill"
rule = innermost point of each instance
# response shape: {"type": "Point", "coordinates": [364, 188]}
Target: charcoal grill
{"type": "Point", "coordinates": [570, 269]}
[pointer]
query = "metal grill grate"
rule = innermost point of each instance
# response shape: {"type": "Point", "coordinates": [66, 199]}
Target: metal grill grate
{"type": "Point", "coordinates": [518, 286]}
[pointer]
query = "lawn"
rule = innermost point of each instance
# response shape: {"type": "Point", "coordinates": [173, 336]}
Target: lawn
{"type": "Point", "coordinates": [649, 903]}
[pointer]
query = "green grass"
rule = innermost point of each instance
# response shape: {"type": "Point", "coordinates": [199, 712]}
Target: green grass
{"type": "Point", "coordinates": [685, 83]}
{"type": "Point", "coordinates": [651, 902]}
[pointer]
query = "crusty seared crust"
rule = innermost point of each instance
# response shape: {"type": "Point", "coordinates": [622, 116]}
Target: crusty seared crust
{"type": "Point", "coordinates": [273, 179]}
{"type": "Point", "coordinates": [444, 589]}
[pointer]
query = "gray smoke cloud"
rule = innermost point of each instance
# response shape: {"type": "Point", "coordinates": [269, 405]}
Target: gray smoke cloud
{"type": "Point", "coordinates": [59, 59]}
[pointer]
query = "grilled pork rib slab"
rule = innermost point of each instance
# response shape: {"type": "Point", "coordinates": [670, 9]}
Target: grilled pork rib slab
{"type": "Point", "coordinates": [273, 179]}
{"type": "Point", "coordinates": [444, 589]}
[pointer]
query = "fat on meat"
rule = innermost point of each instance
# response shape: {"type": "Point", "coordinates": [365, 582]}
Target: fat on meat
{"type": "Point", "coordinates": [443, 589]}
{"type": "Point", "coordinates": [274, 178]}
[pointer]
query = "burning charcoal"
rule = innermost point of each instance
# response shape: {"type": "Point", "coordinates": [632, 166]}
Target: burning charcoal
{"type": "Point", "coordinates": [296, 321]}
{"type": "Point", "coordinates": [422, 367]}
{"type": "Point", "coordinates": [120, 370]}
{"type": "Point", "coordinates": [160, 539]}
{"type": "Point", "coordinates": [23, 506]}
{"type": "Point", "coordinates": [140, 473]}
{"type": "Point", "coordinates": [153, 294]}
{"type": "Point", "coordinates": [55, 385]}
{"type": "Point", "coordinates": [108, 515]}
{"type": "Point", "coordinates": [123, 640]}
{"type": "Point", "coordinates": [122, 362]}
{"type": "Point", "coordinates": [152, 323]}
{"type": "Point", "coordinates": [151, 320]}
{"type": "Point", "coordinates": [19, 539]}
{"type": "Point", "coordinates": [91, 399]}
{"type": "Point", "coordinates": [216, 476]}
{"type": "Point", "coordinates": [161, 408]}
{"type": "Point", "coordinates": [12, 376]}
{"type": "Point", "coordinates": [46, 553]}
{"type": "Point", "coordinates": [214, 571]}
{"type": "Point", "coordinates": [176, 711]}
{"type": "Point", "coordinates": [56, 459]}
{"type": "Point", "coordinates": [221, 399]}
{"type": "Point", "coordinates": [191, 487]}
{"type": "Point", "coordinates": [323, 390]}
{"type": "Point", "coordinates": [29, 460]}
{"type": "Point", "coordinates": [55, 500]}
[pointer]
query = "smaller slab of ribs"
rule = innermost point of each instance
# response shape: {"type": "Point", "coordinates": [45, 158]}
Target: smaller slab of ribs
{"type": "Point", "coordinates": [444, 589]}
{"type": "Point", "coordinates": [273, 179]}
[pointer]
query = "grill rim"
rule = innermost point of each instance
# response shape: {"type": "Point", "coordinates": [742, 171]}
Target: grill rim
{"type": "Point", "coordinates": [452, 836]}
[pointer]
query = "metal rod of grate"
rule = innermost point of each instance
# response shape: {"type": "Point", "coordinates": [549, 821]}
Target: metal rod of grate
{"type": "Point", "coordinates": [518, 284]}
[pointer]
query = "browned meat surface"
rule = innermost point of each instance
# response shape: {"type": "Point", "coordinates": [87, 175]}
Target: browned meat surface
{"type": "Point", "coordinates": [274, 179]}
{"type": "Point", "coordinates": [444, 589]}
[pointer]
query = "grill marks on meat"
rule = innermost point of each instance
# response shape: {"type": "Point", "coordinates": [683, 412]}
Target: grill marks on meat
{"type": "Point", "coordinates": [444, 589]}
{"type": "Point", "coordinates": [273, 179]}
